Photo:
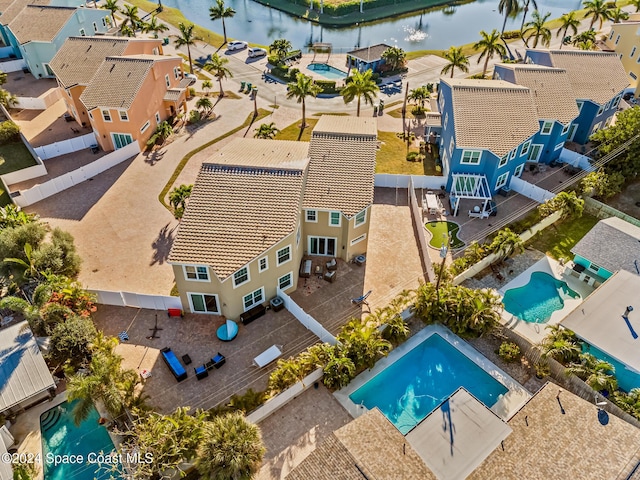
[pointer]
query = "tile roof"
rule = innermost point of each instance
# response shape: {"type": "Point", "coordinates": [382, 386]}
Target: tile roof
{"type": "Point", "coordinates": [23, 371]}
{"type": "Point", "coordinates": [596, 76]}
{"type": "Point", "coordinates": [127, 73]}
{"type": "Point", "coordinates": [15, 7]}
{"type": "Point", "coordinates": [173, 94]}
{"type": "Point", "coordinates": [492, 114]}
{"type": "Point", "coordinates": [368, 447]}
{"type": "Point", "coordinates": [369, 54]}
{"type": "Point", "coordinates": [4, 4]}
{"type": "Point", "coordinates": [79, 57]}
{"type": "Point", "coordinates": [342, 166]}
{"type": "Point", "coordinates": [551, 89]}
{"type": "Point", "coordinates": [612, 244]}
{"type": "Point", "coordinates": [235, 213]}
{"type": "Point", "coordinates": [40, 23]}
{"type": "Point", "coordinates": [255, 152]}
{"type": "Point", "coordinates": [346, 125]}
{"type": "Point", "coordinates": [549, 438]}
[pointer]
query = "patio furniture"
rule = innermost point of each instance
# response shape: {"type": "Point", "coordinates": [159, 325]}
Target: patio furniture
{"type": "Point", "coordinates": [94, 148]}
{"type": "Point", "coordinates": [123, 336]}
{"type": "Point", "coordinates": [186, 359]}
{"type": "Point", "coordinates": [277, 304]}
{"type": "Point", "coordinates": [242, 84]}
{"type": "Point", "coordinates": [360, 259]}
{"type": "Point", "coordinates": [478, 214]}
{"type": "Point", "coordinates": [268, 356]}
{"type": "Point", "coordinates": [318, 271]}
{"type": "Point", "coordinates": [253, 313]}
{"type": "Point", "coordinates": [305, 268]}
{"type": "Point", "coordinates": [145, 374]}
{"type": "Point", "coordinates": [68, 117]}
{"type": "Point", "coordinates": [361, 299]}
{"type": "Point", "coordinates": [201, 372]}
{"type": "Point", "coordinates": [218, 360]}
{"type": "Point", "coordinates": [227, 331]}
{"type": "Point", "coordinates": [332, 265]}
{"type": "Point", "coordinates": [174, 364]}
{"type": "Point", "coordinates": [431, 204]}
{"type": "Point", "coordinates": [175, 312]}
{"type": "Point", "coordinates": [330, 276]}
{"type": "Point", "coordinates": [249, 87]}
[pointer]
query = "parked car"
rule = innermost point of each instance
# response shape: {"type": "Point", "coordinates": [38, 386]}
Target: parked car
{"type": "Point", "coordinates": [237, 45]}
{"type": "Point", "coordinates": [192, 78]}
{"type": "Point", "coordinates": [257, 52]}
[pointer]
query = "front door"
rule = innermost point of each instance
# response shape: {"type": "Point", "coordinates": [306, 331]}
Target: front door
{"type": "Point", "coordinates": [322, 246]}
{"type": "Point", "coordinates": [121, 140]}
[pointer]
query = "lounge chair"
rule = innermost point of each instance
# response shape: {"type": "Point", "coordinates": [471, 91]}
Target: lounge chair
{"type": "Point", "coordinates": [201, 372]}
{"type": "Point", "coordinates": [268, 356]}
{"type": "Point", "coordinates": [174, 364]}
{"type": "Point", "coordinates": [361, 299]}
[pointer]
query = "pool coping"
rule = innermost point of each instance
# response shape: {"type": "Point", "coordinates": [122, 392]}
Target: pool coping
{"type": "Point", "coordinates": [507, 406]}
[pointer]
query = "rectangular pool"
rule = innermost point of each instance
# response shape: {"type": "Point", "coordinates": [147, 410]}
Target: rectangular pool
{"type": "Point", "coordinates": [415, 384]}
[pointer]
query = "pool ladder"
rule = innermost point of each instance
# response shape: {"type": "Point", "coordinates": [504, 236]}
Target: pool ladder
{"type": "Point", "coordinates": [50, 419]}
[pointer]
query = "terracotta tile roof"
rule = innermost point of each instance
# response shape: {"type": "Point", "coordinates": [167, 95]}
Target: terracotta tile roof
{"type": "Point", "coordinates": [551, 89]}
{"type": "Point", "coordinates": [79, 57]}
{"type": "Point", "coordinates": [548, 439]}
{"type": "Point", "coordinates": [597, 76]}
{"type": "Point", "coordinates": [492, 114]}
{"type": "Point", "coordinates": [369, 54]}
{"type": "Point", "coordinates": [40, 23]}
{"type": "Point", "coordinates": [235, 214]}
{"type": "Point", "coordinates": [127, 73]}
{"type": "Point", "coordinates": [4, 4]}
{"type": "Point", "coordinates": [281, 154]}
{"type": "Point", "coordinates": [15, 7]}
{"type": "Point", "coordinates": [342, 166]}
{"type": "Point", "coordinates": [368, 447]}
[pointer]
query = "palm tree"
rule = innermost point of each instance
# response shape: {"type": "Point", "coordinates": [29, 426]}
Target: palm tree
{"type": "Point", "coordinates": [153, 26]}
{"type": "Point", "coordinates": [525, 10]}
{"type": "Point", "coordinates": [219, 12]}
{"type": "Point", "coordinates": [302, 88]}
{"type": "Point", "coordinates": [231, 448]}
{"type": "Point", "coordinates": [395, 57]}
{"type": "Point", "coordinates": [598, 10]}
{"type": "Point", "coordinates": [635, 3]}
{"type": "Point", "coordinates": [490, 44]}
{"type": "Point", "coordinates": [588, 36]}
{"type": "Point", "coordinates": [569, 22]}
{"type": "Point", "coordinates": [508, 8]}
{"type": "Point", "coordinates": [130, 13]}
{"type": "Point", "coordinates": [506, 243]}
{"type": "Point", "coordinates": [596, 373]}
{"type": "Point", "coordinates": [456, 59]}
{"type": "Point", "coordinates": [616, 15]}
{"type": "Point", "coordinates": [536, 28]}
{"type": "Point", "coordinates": [280, 48]}
{"type": "Point", "coordinates": [179, 195]}
{"type": "Point", "coordinates": [217, 65]}
{"type": "Point", "coordinates": [205, 104]}
{"type": "Point", "coordinates": [112, 6]}
{"type": "Point", "coordinates": [12, 216]}
{"type": "Point", "coordinates": [7, 99]}
{"type": "Point", "coordinates": [163, 131]}
{"type": "Point", "coordinates": [266, 131]}
{"type": "Point", "coordinates": [360, 85]}
{"type": "Point", "coordinates": [338, 371]}
{"type": "Point", "coordinates": [560, 344]}
{"type": "Point", "coordinates": [568, 203]}
{"type": "Point", "coordinates": [187, 37]}
{"type": "Point", "coordinates": [206, 86]}
{"type": "Point", "coordinates": [419, 95]}
{"type": "Point", "coordinates": [363, 343]}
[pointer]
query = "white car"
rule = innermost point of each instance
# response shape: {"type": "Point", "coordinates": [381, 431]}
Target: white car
{"type": "Point", "coordinates": [257, 52]}
{"type": "Point", "coordinates": [192, 78]}
{"type": "Point", "coordinates": [237, 45]}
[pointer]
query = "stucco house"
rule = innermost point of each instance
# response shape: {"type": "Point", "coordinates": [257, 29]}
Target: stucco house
{"type": "Point", "coordinates": [597, 79]}
{"type": "Point", "coordinates": [624, 40]}
{"type": "Point", "coordinates": [259, 206]}
{"type": "Point", "coordinates": [129, 96]}
{"type": "Point", "coordinates": [79, 58]}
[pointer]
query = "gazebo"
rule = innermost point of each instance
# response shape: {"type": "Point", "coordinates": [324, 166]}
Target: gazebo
{"type": "Point", "coordinates": [468, 185]}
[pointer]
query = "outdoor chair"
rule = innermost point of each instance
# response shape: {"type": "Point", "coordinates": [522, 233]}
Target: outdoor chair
{"type": "Point", "coordinates": [242, 84]}
{"type": "Point", "coordinates": [201, 372]}
{"type": "Point", "coordinates": [218, 360]}
{"type": "Point", "coordinates": [330, 276]}
{"type": "Point", "coordinates": [249, 87]}
{"type": "Point", "coordinates": [361, 299]}
{"type": "Point", "coordinates": [332, 265]}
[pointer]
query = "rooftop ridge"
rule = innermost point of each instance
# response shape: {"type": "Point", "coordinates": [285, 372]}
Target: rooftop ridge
{"type": "Point", "coordinates": [244, 169]}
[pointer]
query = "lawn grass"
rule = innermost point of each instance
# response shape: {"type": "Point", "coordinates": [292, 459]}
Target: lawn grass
{"type": "Point", "coordinates": [15, 156]}
{"type": "Point", "coordinates": [392, 156]}
{"type": "Point", "coordinates": [292, 132]}
{"type": "Point", "coordinates": [439, 228]}
{"type": "Point", "coordinates": [558, 239]}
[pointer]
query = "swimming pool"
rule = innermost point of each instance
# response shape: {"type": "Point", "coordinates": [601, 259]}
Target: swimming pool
{"type": "Point", "coordinates": [60, 436]}
{"type": "Point", "coordinates": [538, 299]}
{"type": "Point", "coordinates": [327, 71]}
{"type": "Point", "coordinates": [413, 386]}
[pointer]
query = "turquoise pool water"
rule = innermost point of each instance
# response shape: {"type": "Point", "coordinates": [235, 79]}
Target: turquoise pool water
{"type": "Point", "coordinates": [60, 437]}
{"type": "Point", "coordinates": [413, 386]}
{"type": "Point", "coordinates": [327, 71]}
{"type": "Point", "coordinates": [538, 299]}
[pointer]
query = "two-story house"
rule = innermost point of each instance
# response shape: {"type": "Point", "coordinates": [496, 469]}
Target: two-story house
{"type": "Point", "coordinates": [79, 58]}
{"type": "Point", "coordinates": [597, 80]}
{"type": "Point", "coordinates": [624, 40]}
{"type": "Point", "coordinates": [488, 127]}
{"type": "Point", "coordinates": [553, 99]}
{"type": "Point", "coordinates": [258, 206]}
{"type": "Point", "coordinates": [128, 97]}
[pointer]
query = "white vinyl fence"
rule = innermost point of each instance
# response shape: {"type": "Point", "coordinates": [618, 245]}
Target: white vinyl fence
{"type": "Point", "coordinates": [530, 190]}
{"type": "Point", "coordinates": [66, 146]}
{"type": "Point", "coordinates": [305, 319]}
{"type": "Point", "coordinates": [576, 159]}
{"type": "Point", "coordinates": [137, 300]}
{"type": "Point", "coordinates": [388, 180]}
{"type": "Point", "coordinates": [39, 103]}
{"type": "Point", "coordinates": [24, 174]}
{"type": "Point", "coordinates": [68, 180]}
{"type": "Point", "coordinates": [13, 65]}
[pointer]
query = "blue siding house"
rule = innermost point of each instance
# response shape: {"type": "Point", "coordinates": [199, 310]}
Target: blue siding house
{"type": "Point", "coordinates": [597, 81]}
{"type": "Point", "coordinates": [554, 102]}
{"type": "Point", "coordinates": [488, 128]}
{"type": "Point", "coordinates": [368, 58]}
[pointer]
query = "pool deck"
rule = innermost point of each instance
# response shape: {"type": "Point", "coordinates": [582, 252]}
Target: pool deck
{"type": "Point", "coordinates": [535, 332]}
{"type": "Point", "coordinates": [505, 408]}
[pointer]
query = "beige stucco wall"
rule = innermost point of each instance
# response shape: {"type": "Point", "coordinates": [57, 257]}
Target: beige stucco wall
{"type": "Point", "coordinates": [72, 99]}
{"type": "Point", "coordinates": [343, 234]}
{"type": "Point", "coordinates": [629, 38]}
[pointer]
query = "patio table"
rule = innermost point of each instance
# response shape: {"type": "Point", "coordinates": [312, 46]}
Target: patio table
{"type": "Point", "coordinates": [432, 204]}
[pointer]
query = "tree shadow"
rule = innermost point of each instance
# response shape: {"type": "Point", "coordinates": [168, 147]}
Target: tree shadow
{"type": "Point", "coordinates": [154, 157]}
{"type": "Point", "coordinates": [162, 245]}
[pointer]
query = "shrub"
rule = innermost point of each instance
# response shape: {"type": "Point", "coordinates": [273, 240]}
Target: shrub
{"type": "Point", "coordinates": [328, 86]}
{"type": "Point", "coordinates": [417, 111]}
{"type": "Point", "coordinates": [192, 92]}
{"type": "Point", "coordinates": [194, 116]}
{"type": "Point", "coordinates": [412, 157]}
{"type": "Point", "coordinates": [8, 132]}
{"type": "Point", "coordinates": [273, 60]}
{"type": "Point", "coordinates": [511, 34]}
{"type": "Point", "coordinates": [509, 352]}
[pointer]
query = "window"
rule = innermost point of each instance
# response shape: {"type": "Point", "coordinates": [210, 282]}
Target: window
{"type": "Point", "coordinates": [285, 281]}
{"type": "Point", "coordinates": [145, 126]}
{"type": "Point", "coordinates": [503, 161]}
{"type": "Point", "coordinates": [158, 117]}
{"type": "Point", "coordinates": [608, 122]}
{"type": "Point", "coordinates": [502, 180]}
{"type": "Point", "coordinates": [334, 219]}
{"type": "Point", "coordinates": [240, 277]}
{"type": "Point", "coordinates": [565, 129]}
{"type": "Point", "coordinates": [638, 60]}
{"type": "Point", "coordinates": [176, 73]}
{"type": "Point", "coordinates": [123, 115]}
{"type": "Point", "coordinates": [513, 153]}
{"type": "Point", "coordinates": [446, 120]}
{"type": "Point", "coordinates": [600, 110]}
{"type": "Point", "coordinates": [441, 102]}
{"type": "Point", "coordinates": [82, 32]}
{"type": "Point", "coordinates": [579, 106]}
{"type": "Point", "coordinates": [283, 255]}
{"type": "Point", "coordinates": [617, 39]}
{"type": "Point", "coordinates": [546, 128]}
{"type": "Point", "coordinates": [534, 152]}
{"type": "Point", "coordinates": [611, 34]}
{"type": "Point", "coordinates": [263, 264]}
{"type": "Point", "coordinates": [594, 267]}
{"type": "Point", "coordinates": [471, 157]}
{"type": "Point", "coordinates": [90, 115]}
{"type": "Point", "coordinates": [358, 239]}
{"type": "Point", "coordinates": [312, 216]}
{"type": "Point", "coordinates": [633, 52]}
{"type": "Point", "coordinates": [616, 102]}
{"type": "Point", "coordinates": [104, 22]}
{"type": "Point", "coordinates": [558, 146]}
{"type": "Point", "coordinates": [192, 272]}
{"type": "Point", "coordinates": [596, 127]}
{"type": "Point", "coordinates": [452, 145]}
{"type": "Point", "coordinates": [525, 147]}
{"type": "Point", "coordinates": [106, 115]}
{"type": "Point", "coordinates": [322, 246]}
{"type": "Point", "coordinates": [167, 81]}
{"type": "Point", "coordinates": [298, 235]}
{"type": "Point", "coordinates": [518, 171]}
{"type": "Point", "coordinates": [253, 298]}
{"type": "Point", "coordinates": [121, 140]}
{"type": "Point", "coordinates": [95, 27]}
{"type": "Point", "coordinates": [361, 218]}
{"type": "Point", "coordinates": [202, 303]}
